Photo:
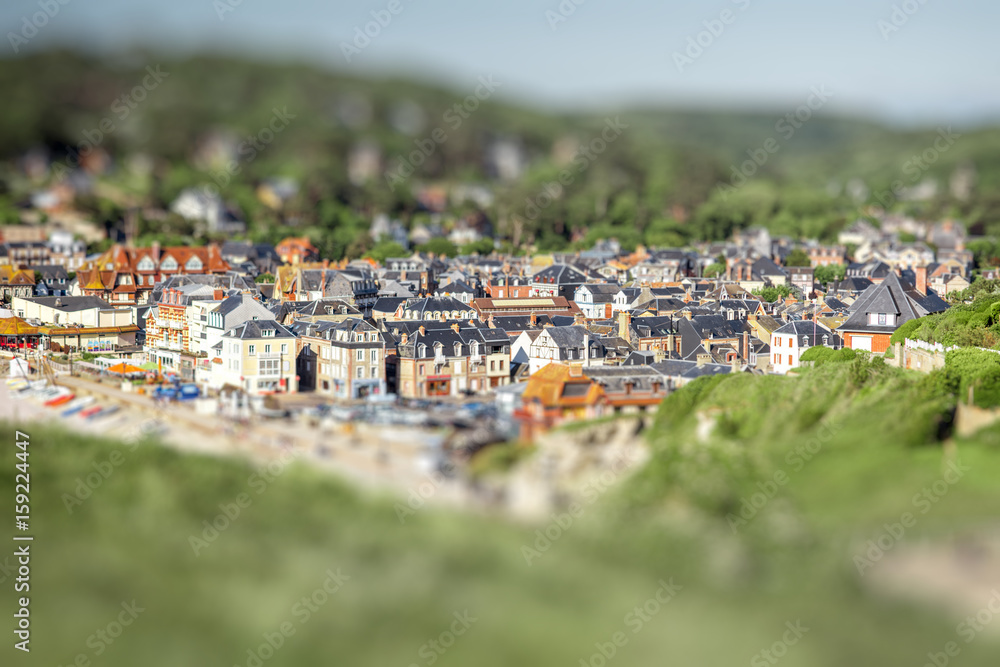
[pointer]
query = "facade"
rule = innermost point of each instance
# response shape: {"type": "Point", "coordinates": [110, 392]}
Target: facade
{"type": "Point", "coordinates": [596, 301]}
{"type": "Point", "coordinates": [349, 358]}
{"type": "Point", "coordinates": [15, 283]}
{"type": "Point", "coordinates": [452, 361]}
{"type": "Point", "coordinates": [572, 344]}
{"type": "Point", "coordinates": [257, 356]}
{"type": "Point", "coordinates": [83, 311]}
{"type": "Point", "coordinates": [789, 341]}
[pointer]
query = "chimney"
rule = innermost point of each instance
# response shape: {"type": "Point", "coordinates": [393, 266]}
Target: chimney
{"type": "Point", "coordinates": [326, 264]}
{"type": "Point", "coordinates": [444, 316]}
{"type": "Point", "coordinates": [156, 251]}
{"type": "Point", "coordinates": [688, 314]}
{"type": "Point", "coordinates": [746, 347]}
{"type": "Point", "coordinates": [422, 330]}
{"type": "Point", "coordinates": [489, 322]}
{"type": "Point", "coordinates": [921, 272]}
{"type": "Point", "coordinates": [217, 295]}
{"type": "Point", "coordinates": [624, 320]}
{"type": "Point", "coordinates": [579, 319]}
{"type": "Point", "coordinates": [403, 339]}
{"type": "Point", "coordinates": [534, 319]}
{"type": "Point", "coordinates": [454, 327]}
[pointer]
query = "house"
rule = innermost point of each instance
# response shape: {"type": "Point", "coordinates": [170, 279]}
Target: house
{"type": "Point", "coordinates": [128, 276]}
{"type": "Point", "coordinates": [257, 356]}
{"type": "Point", "coordinates": [15, 283]}
{"type": "Point", "coordinates": [883, 308]}
{"type": "Point", "coordinates": [790, 340]}
{"type": "Point", "coordinates": [203, 205]}
{"type": "Point", "coordinates": [50, 279]}
{"type": "Point", "coordinates": [596, 301]}
{"type": "Point", "coordinates": [826, 255]}
{"type": "Point", "coordinates": [349, 358]}
{"type": "Point", "coordinates": [557, 280]}
{"type": "Point", "coordinates": [296, 250]}
{"type": "Point", "coordinates": [802, 278]}
{"type": "Point", "coordinates": [305, 282]}
{"type": "Point", "coordinates": [629, 389]}
{"type": "Point", "coordinates": [457, 289]}
{"type": "Point", "coordinates": [452, 361]}
{"type": "Point", "coordinates": [508, 285]}
{"type": "Point", "coordinates": [564, 345]}
{"type": "Point", "coordinates": [555, 394]}
{"type": "Point", "coordinates": [873, 270]}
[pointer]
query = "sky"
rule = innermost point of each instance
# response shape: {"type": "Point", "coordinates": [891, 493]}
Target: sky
{"type": "Point", "coordinates": [910, 62]}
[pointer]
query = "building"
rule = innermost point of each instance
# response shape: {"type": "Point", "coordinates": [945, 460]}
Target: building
{"type": "Point", "coordinates": [82, 311]}
{"type": "Point", "coordinates": [883, 308]}
{"type": "Point", "coordinates": [557, 393]}
{"type": "Point", "coordinates": [596, 301]}
{"type": "Point", "coordinates": [293, 250]}
{"type": "Point", "coordinates": [557, 280]}
{"type": "Point", "coordinates": [349, 358]}
{"type": "Point", "coordinates": [15, 283]}
{"type": "Point", "coordinates": [571, 344]}
{"type": "Point", "coordinates": [258, 357]}
{"type": "Point", "coordinates": [452, 361]}
{"type": "Point", "coordinates": [790, 340]}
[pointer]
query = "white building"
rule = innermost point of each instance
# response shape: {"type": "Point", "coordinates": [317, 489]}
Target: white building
{"type": "Point", "coordinates": [789, 341]}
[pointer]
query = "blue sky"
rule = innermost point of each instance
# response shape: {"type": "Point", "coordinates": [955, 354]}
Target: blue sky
{"type": "Point", "coordinates": [941, 65]}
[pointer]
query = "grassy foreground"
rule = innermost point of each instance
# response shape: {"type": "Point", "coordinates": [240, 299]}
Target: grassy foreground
{"type": "Point", "coordinates": [393, 588]}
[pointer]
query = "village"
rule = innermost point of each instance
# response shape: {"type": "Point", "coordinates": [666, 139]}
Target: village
{"type": "Point", "coordinates": [498, 347]}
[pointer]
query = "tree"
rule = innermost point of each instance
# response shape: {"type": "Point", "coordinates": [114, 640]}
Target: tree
{"type": "Point", "coordinates": [480, 247]}
{"type": "Point", "coordinates": [830, 273]}
{"type": "Point", "coordinates": [714, 269]}
{"type": "Point", "coordinates": [439, 246]}
{"type": "Point", "coordinates": [798, 257]}
{"type": "Point", "coordinates": [385, 249]}
{"type": "Point", "coordinates": [264, 278]}
{"type": "Point", "coordinates": [772, 294]}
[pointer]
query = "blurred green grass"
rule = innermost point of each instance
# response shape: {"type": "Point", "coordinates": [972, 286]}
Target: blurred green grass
{"type": "Point", "coordinates": [130, 540]}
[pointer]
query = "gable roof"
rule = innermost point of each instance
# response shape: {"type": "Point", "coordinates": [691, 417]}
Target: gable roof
{"type": "Point", "coordinates": [895, 297]}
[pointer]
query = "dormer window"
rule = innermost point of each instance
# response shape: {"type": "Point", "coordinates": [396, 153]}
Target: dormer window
{"type": "Point", "coordinates": [193, 264]}
{"type": "Point", "coordinates": [422, 350]}
{"type": "Point", "coordinates": [146, 264]}
{"type": "Point", "coordinates": [169, 264]}
{"type": "Point", "coordinates": [267, 333]}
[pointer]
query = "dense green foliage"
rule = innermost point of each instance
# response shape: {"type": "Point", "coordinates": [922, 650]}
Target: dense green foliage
{"type": "Point", "coordinates": [773, 293]}
{"type": "Point", "coordinates": [824, 355]}
{"type": "Point", "coordinates": [973, 320]}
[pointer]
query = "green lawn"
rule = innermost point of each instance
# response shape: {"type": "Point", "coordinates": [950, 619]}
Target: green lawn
{"type": "Point", "coordinates": [131, 540]}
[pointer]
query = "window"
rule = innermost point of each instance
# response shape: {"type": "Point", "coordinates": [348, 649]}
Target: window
{"type": "Point", "coordinates": [284, 348]}
{"type": "Point", "coordinates": [374, 356]}
{"type": "Point", "coordinates": [252, 350]}
{"type": "Point", "coordinates": [881, 319]}
{"type": "Point", "coordinates": [193, 264]}
{"type": "Point", "coordinates": [268, 367]}
{"type": "Point", "coordinates": [169, 264]}
{"type": "Point", "coordinates": [361, 372]}
{"type": "Point", "coordinates": [361, 355]}
{"type": "Point", "coordinates": [420, 369]}
{"type": "Point", "coordinates": [267, 349]}
{"type": "Point", "coordinates": [501, 364]}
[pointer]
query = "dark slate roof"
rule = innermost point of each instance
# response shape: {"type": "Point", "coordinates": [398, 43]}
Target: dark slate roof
{"type": "Point", "coordinates": [562, 274]}
{"type": "Point", "coordinates": [804, 330]}
{"type": "Point", "coordinates": [891, 296]}
{"type": "Point", "coordinates": [253, 328]}
{"type": "Point", "coordinates": [387, 304]}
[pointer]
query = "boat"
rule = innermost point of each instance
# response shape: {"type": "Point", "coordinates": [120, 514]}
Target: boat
{"type": "Point", "coordinates": [106, 412]}
{"type": "Point", "coordinates": [77, 405]}
{"type": "Point", "coordinates": [93, 410]}
{"type": "Point", "coordinates": [60, 400]}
